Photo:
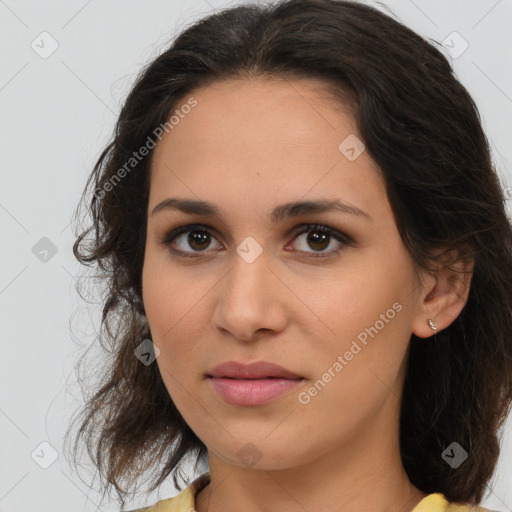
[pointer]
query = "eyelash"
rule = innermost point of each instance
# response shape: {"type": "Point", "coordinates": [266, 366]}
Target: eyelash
{"type": "Point", "coordinates": [168, 239]}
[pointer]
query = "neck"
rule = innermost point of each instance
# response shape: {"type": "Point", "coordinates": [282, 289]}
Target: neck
{"type": "Point", "coordinates": [365, 473]}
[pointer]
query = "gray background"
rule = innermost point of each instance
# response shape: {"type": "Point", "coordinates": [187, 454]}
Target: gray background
{"type": "Point", "coordinates": [57, 113]}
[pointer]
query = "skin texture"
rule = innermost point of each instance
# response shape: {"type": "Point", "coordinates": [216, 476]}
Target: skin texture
{"type": "Point", "coordinates": [248, 146]}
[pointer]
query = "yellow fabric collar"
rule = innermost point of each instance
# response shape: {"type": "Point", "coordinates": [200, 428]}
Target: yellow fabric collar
{"type": "Point", "coordinates": [185, 501]}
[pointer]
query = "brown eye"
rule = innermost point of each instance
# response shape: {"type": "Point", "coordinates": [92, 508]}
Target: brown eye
{"type": "Point", "coordinates": [187, 240]}
{"type": "Point", "coordinates": [319, 238]}
{"type": "Point", "coordinates": [199, 240]}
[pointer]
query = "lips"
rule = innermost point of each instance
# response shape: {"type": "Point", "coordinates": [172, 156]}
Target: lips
{"type": "Point", "coordinates": [252, 392]}
{"type": "Point", "coordinates": [254, 384]}
{"type": "Point", "coordinates": [258, 370]}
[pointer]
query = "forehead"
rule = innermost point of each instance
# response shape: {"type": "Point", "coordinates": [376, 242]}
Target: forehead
{"type": "Point", "coordinates": [264, 138]}
{"type": "Point", "coordinates": [262, 110]}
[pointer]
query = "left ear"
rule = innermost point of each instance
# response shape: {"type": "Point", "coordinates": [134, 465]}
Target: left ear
{"type": "Point", "coordinates": [444, 295]}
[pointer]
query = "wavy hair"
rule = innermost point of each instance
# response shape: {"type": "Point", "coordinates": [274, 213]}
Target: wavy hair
{"type": "Point", "coordinates": [422, 128]}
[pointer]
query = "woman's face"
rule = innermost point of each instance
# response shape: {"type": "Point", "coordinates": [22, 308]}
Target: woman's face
{"type": "Point", "coordinates": [253, 283]}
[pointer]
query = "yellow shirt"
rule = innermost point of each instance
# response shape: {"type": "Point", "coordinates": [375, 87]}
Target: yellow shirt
{"type": "Point", "coordinates": [185, 501]}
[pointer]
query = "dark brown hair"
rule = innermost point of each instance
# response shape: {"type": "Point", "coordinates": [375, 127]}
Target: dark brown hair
{"type": "Point", "coordinates": [422, 128]}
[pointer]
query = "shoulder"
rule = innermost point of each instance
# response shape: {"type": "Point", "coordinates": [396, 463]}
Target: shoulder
{"type": "Point", "coordinates": [438, 503]}
{"type": "Point", "coordinates": [183, 502]}
{"type": "Point", "coordinates": [457, 507]}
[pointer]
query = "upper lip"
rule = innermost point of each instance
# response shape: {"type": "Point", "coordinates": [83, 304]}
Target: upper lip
{"type": "Point", "coordinates": [258, 370]}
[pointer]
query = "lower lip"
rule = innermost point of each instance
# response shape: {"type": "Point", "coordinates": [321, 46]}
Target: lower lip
{"type": "Point", "coordinates": [252, 392]}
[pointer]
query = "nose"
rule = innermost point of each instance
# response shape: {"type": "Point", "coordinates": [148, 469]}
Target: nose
{"type": "Point", "coordinates": [251, 300]}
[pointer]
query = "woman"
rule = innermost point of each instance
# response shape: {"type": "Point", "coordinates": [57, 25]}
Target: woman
{"type": "Point", "coordinates": [309, 268]}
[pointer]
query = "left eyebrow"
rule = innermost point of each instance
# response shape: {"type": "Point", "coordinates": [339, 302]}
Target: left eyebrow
{"type": "Point", "coordinates": [297, 208]}
{"type": "Point", "coordinates": [279, 213]}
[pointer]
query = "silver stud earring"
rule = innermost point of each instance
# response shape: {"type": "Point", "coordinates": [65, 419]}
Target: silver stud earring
{"type": "Point", "coordinates": [432, 324]}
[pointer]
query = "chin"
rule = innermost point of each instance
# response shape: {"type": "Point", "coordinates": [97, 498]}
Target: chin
{"type": "Point", "coordinates": [259, 454]}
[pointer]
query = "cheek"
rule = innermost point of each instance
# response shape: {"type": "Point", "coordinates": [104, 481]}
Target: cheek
{"type": "Point", "coordinates": [356, 295]}
{"type": "Point", "coordinates": [359, 368]}
{"type": "Point", "coordinates": [171, 297]}
{"type": "Point", "coordinates": [365, 317]}
{"type": "Point", "coordinates": [175, 307]}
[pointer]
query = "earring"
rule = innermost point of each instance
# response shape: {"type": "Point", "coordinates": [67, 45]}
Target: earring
{"type": "Point", "coordinates": [432, 324]}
